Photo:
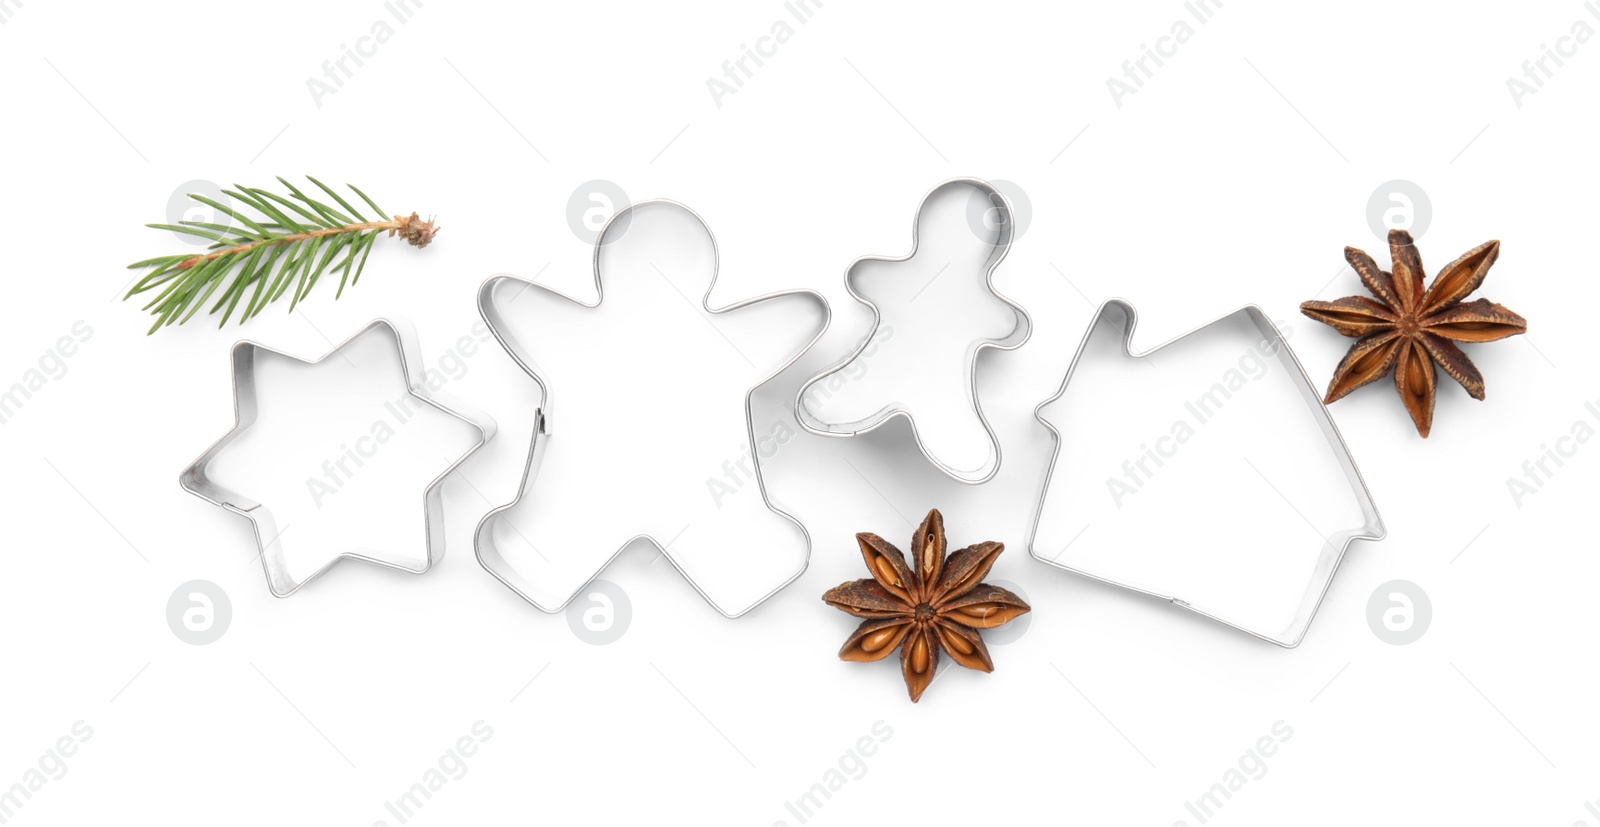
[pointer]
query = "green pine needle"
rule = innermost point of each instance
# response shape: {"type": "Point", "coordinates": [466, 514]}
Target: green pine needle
{"type": "Point", "coordinates": [292, 242]}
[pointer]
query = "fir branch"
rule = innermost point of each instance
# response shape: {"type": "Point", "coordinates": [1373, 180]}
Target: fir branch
{"type": "Point", "coordinates": [290, 243]}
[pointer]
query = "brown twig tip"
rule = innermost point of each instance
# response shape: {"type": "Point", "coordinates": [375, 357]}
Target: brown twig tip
{"type": "Point", "coordinates": [417, 232]}
{"type": "Point", "coordinates": [414, 230]}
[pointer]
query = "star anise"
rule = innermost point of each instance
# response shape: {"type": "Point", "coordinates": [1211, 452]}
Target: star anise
{"type": "Point", "coordinates": [940, 604]}
{"type": "Point", "coordinates": [1409, 330]}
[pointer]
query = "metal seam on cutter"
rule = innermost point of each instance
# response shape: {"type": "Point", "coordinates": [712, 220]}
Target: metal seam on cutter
{"type": "Point", "coordinates": [1018, 336]}
{"type": "Point", "coordinates": [1373, 529]}
{"type": "Point", "coordinates": [194, 479]}
{"type": "Point", "coordinates": [489, 555]}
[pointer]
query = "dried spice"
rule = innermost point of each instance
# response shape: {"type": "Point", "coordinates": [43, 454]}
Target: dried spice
{"type": "Point", "coordinates": [1409, 330]}
{"type": "Point", "coordinates": [938, 605]}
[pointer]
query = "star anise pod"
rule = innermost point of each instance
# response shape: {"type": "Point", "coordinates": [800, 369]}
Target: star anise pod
{"type": "Point", "coordinates": [939, 604]}
{"type": "Point", "coordinates": [1409, 330]}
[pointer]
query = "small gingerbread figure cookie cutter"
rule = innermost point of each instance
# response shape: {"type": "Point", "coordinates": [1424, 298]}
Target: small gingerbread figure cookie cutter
{"type": "Point", "coordinates": [1253, 582]}
{"type": "Point", "coordinates": [247, 359]}
{"type": "Point", "coordinates": [561, 547]}
{"type": "Point", "coordinates": [963, 225]}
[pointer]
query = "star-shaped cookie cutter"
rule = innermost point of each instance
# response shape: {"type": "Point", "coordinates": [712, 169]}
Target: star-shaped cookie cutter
{"type": "Point", "coordinates": [196, 480]}
{"type": "Point", "coordinates": [1116, 319]}
{"type": "Point", "coordinates": [490, 554]}
{"type": "Point", "coordinates": [993, 207]}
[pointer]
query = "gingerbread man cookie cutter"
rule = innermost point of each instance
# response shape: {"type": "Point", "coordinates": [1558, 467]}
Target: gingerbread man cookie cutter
{"type": "Point", "coordinates": [644, 441]}
{"type": "Point", "coordinates": [924, 373]}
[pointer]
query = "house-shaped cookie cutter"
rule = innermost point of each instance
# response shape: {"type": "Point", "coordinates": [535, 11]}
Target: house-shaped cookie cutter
{"type": "Point", "coordinates": [1206, 568]}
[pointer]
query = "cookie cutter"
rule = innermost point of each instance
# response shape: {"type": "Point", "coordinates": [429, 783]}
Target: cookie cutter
{"type": "Point", "coordinates": [1244, 580]}
{"type": "Point", "coordinates": [638, 298]}
{"type": "Point", "coordinates": [251, 358]}
{"type": "Point", "coordinates": [947, 437]}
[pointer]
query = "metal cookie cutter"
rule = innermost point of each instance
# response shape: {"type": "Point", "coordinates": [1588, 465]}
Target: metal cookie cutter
{"type": "Point", "coordinates": [933, 311]}
{"type": "Point", "coordinates": [653, 438]}
{"type": "Point", "coordinates": [1205, 471]}
{"type": "Point", "coordinates": [333, 473]}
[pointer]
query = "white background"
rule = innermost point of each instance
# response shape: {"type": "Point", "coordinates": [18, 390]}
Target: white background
{"type": "Point", "coordinates": [1236, 174]}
